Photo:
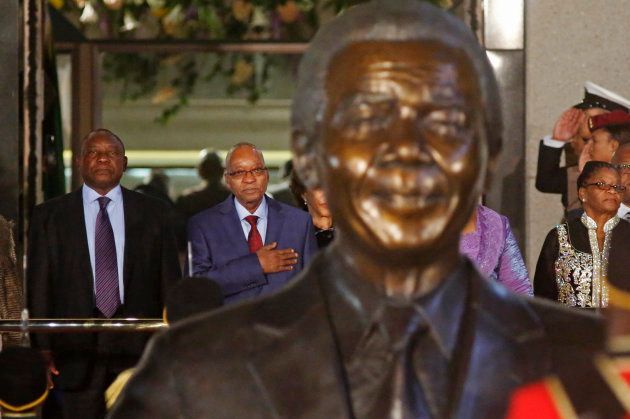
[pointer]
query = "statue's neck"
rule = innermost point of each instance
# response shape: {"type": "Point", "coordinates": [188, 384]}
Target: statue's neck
{"type": "Point", "coordinates": [396, 278]}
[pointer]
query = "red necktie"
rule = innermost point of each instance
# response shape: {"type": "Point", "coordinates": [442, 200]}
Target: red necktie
{"type": "Point", "coordinates": [253, 239]}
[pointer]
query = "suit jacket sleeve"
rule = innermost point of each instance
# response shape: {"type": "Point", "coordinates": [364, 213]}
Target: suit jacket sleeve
{"type": "Point", "coordinates": [234, 276]}
{"type": "Point", "coordinates": [545, 278]}
{"type": "Point", "coordinates": [550, 177]}
{"type": "Point", "coordinates": [151, 392]}
{"type": "Point", "coordinates": [38, 280]}
{"type": "Point", "coordinates": [310, 243]}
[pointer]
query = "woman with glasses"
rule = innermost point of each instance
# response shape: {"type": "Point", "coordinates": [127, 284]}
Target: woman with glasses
{"type": "Point", "coordinates": [576, 256]}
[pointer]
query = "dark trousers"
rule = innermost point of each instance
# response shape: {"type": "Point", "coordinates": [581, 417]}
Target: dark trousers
{"type": "Point", "coordinates": [89, 401]}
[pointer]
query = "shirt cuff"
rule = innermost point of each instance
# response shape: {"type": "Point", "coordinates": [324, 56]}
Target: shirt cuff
{"type": "Point", "coordinates": [550, 142]}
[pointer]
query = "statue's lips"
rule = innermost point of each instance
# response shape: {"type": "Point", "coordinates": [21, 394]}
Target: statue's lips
{"type": "Point", "coordinates": [408, 200]}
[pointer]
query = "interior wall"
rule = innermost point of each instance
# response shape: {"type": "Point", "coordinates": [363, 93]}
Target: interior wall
{"type": "Point", "coordinates": [567, 43]}
{"type": "Point", "coordinates": [9, 116]}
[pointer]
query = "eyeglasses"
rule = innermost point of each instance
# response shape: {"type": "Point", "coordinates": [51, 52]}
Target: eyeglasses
{"type": "Point", "coordinates": [240, 174]}
{"type": "Point", "coordinates": [97, 154]}
{"type": "Point", "coordinates": [622, 166]}
{"type": "Point", "coordinates": [603, 186]}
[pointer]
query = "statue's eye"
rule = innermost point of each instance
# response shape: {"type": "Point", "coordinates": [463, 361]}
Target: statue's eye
{"type": "Point", "coordinates": [364, 113]}
{"type": "Point", "coordinates": [445, 122]}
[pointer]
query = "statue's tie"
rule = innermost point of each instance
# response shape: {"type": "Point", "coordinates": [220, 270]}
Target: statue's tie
{"type": "Point", "coordinates": [253, 239]}
{"type": "Point", "coordinates": [106, 267]}
{"type": "Point", "coordinates": [382, 379]}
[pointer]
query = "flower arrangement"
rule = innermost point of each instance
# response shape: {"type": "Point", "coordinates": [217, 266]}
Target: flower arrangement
{"type": "Point", "coordinates": [216, 20]}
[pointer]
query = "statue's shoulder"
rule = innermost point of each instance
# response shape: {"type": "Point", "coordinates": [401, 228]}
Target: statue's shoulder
{"type": "Point", "coordinates": [570, 326]}
{"type": "Point", "coordinates": [230, 332]}
{"type": "Point", "coordinates": [521, 315]}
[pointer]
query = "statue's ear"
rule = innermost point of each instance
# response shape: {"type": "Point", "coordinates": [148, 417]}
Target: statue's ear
{"type": "Point", "coordinates": [304, 159]}
{"type": "Point", "coordinates": [493, 154]}
{"type": "Point", "coordinates": [491, 169]}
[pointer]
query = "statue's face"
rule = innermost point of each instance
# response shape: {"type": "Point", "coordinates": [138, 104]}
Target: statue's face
{"type": "Point", "coordinates": [404, 152]}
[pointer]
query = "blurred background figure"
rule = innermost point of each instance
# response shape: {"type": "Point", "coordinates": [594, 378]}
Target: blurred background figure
{"type": "Point", "coordinates": [578, 256]}
{"type": "Point", "coordinates": [282, 191]}
{"type": "Point", "coordinates": [157, 186]}
{"type": "Point", "coordinates": [621, 160]}
{"type": "Point", "coordinates": [11, 294]}
{"type": "Point", "coordinates": [314, 201]}
{"type": "Point", "coordinates": [23, 382]}
{"type": "Point", "coordinates": [209, 192]}
{"type": "Point", "coordinates": [192, 296]}
{"type": "Point", "coordinates": [487, 240]}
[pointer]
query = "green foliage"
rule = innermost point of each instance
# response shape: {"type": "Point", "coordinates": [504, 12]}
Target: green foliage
{"type": "Point", "coordinates": [215, 20]}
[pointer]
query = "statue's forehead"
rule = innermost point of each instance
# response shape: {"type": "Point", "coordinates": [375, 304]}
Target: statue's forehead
{"type": "Point", "coordinates": [425, 61]}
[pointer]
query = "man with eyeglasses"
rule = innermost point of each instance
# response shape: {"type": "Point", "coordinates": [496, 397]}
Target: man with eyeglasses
{"type": "Point", "coordinates": [250, 244]}
{"type": "Point", "coordinates": [621, 160]}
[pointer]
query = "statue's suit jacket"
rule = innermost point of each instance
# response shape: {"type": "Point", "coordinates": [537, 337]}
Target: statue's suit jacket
{"type": "Point", "coordinates": [279, 357]}
{"type": "Point", "coordinates": [61, 285]}
{"type": "Point", "coordinates": [220, 250]}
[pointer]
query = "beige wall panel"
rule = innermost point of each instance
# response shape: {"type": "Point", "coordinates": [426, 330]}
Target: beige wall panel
{"type": "Point", "coordinates": [567, 43]}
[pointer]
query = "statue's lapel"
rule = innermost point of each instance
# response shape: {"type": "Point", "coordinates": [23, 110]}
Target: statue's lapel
{"type": "Point", "coordinates": [297, 371]}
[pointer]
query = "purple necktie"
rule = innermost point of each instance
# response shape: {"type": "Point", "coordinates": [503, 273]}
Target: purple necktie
{"type": "Point", "coordinates": [107, 293]}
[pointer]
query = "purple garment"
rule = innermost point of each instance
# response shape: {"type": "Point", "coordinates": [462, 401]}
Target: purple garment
{"type": "Point", "coordinates": [493, 249]}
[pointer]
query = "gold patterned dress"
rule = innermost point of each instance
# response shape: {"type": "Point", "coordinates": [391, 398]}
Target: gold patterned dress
{"type": "Point", "coordinates": [572, 269]}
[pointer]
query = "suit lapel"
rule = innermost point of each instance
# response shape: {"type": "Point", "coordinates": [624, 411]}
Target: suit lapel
{"type": "Point", "coordinates": [502, 335]}
{"type": "Point", "coordinates": [75, 232]}
{"type": "Point", "coordinates": [133, 233]}
{"type": "Point", "coordinates": [232, 225]}
{"type": "Point", "coordinates": [309, 356]}
{"type": "Point", "coordinates": [275, 220]}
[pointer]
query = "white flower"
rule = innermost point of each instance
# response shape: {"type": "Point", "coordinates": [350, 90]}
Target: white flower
{"type": "Point", "coordinates": [173, 20]}
{"type": "Point", "coordinates": [129, 21]}
{"type": "Point", "coordinates": [89, 15]}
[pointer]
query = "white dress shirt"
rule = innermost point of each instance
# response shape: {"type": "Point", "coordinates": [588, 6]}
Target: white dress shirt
{"type": "Point", "coordinates": [623, 211]}
{"type": "Point", "coordinates": [116, 213]}
{"type": "Point", "coordinates": [550, 142]}
{"type": "Point", "coordinates": [261, 213]}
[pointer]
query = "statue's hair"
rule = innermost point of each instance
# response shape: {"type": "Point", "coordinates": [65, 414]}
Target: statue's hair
{"type": "Point", "coordinates": [390, 21]}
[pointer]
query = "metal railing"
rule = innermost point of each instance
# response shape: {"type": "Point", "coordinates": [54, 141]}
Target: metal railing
{"type": "Point", "coordinates": [81, 325]}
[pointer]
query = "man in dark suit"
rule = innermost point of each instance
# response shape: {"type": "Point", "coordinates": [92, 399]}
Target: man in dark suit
{"type": "Point", "coordinates": [396, 116]}
{"type": "Point", "coordinates": [228, 240]}
{"type": "Point", "coordinates": [101, 251]}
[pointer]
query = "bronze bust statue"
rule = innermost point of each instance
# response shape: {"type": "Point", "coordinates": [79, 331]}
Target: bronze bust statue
{"type": "Point", "coordinates": [397, 118]}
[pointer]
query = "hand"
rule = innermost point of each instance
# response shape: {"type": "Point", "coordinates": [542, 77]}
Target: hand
{"type": "Point", "coordinates": [51, 368]}
{"type": "Point", "coordinates": [585, 155]}
{"type": "Point", "coordinates": [568, 125]}
{"type": "Point", "coordinates": [276, 260]}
